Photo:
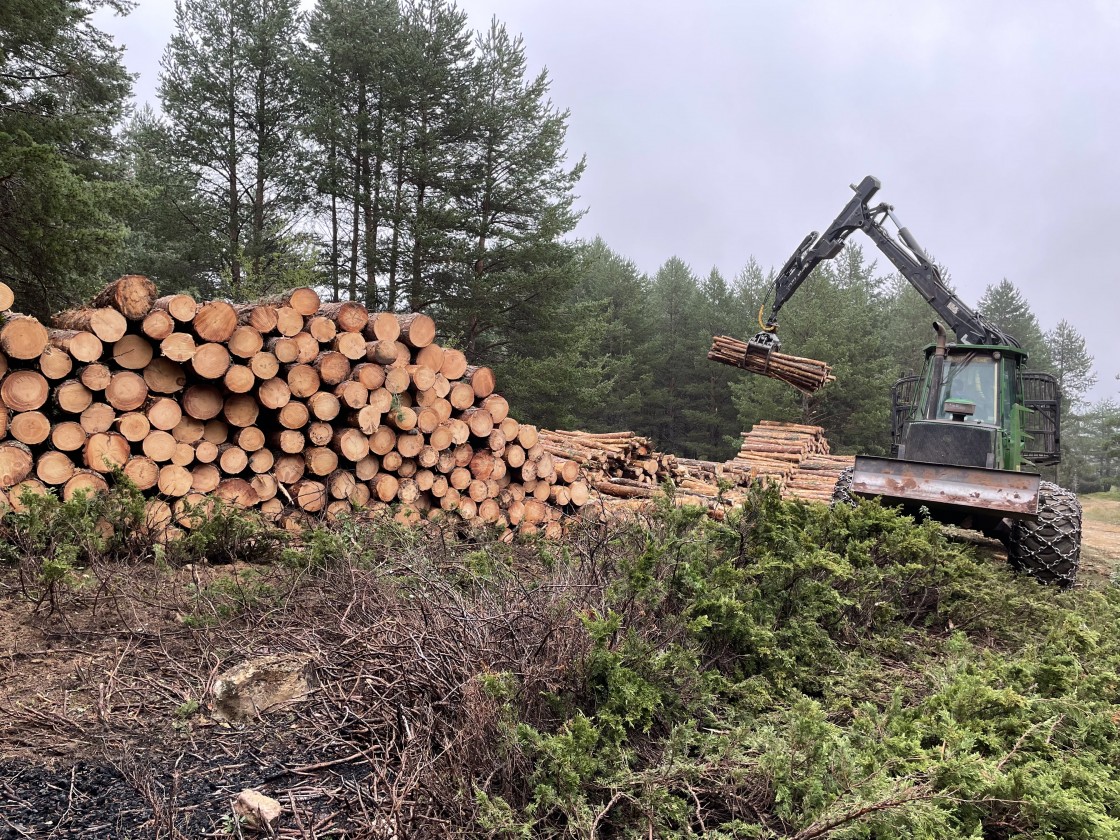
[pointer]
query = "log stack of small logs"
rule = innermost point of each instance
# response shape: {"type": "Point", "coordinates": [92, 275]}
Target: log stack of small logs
{"type": "Point", "coordinates": [793, 456]}
{"type": "Point", "coordinates": [623, 468]}
{"type": "Point", "coordinates": [806, 375]}
{"type": "Point", "coordinates": [294, 406]}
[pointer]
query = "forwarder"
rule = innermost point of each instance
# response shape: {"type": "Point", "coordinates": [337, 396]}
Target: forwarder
{"type": "Point", "coordinates": [969, 432]}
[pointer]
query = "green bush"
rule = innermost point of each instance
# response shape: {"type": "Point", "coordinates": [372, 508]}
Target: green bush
{"type": "Point", "coordinates": [804, 671]}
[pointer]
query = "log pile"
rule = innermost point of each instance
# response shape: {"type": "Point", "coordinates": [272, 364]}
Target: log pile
{"type": "Point", "coordinates": [815, 477]}
{"type": "Point", "coordinates": [293, 406]}
{"type": "Point", "coordinates": [623, 468]}
{"type": "Point", "coordinates": [806, 375]}
{"type": "Point", "coordinates": [793, 456]}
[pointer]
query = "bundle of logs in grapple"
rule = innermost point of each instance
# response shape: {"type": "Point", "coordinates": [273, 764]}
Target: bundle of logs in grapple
{"type": "Point", "coordinates": [806, 375]}
{"type": "Point", "coordinates": [289, 405]}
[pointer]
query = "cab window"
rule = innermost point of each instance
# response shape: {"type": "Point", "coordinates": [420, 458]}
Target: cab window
{"type": "Point", "coordinates": [974, 378]}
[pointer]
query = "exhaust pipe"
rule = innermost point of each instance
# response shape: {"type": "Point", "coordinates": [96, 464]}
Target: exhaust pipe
{"type": "Point", "coordinates": [937, 373]}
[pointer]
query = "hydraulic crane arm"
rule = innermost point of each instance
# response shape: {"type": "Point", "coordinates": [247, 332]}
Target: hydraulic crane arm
{"type": "Point", "coordinates": [907, 257]}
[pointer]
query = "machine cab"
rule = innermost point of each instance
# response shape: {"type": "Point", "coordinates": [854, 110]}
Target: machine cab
{"type": "Point", "coordinates": [972, 407]}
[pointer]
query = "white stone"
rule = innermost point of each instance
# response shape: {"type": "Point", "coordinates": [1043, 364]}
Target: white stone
{"type": "Point", "coordinates": [257, 685]}
{"type": "Point", "coordinates": [256, 810]}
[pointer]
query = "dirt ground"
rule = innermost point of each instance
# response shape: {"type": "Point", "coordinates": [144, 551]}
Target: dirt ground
{"type": "Point", "coordinates": [1100, 540]}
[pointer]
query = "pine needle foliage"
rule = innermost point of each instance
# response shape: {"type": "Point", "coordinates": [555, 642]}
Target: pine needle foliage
{"type": "Point", "coordinates": [799, 671]}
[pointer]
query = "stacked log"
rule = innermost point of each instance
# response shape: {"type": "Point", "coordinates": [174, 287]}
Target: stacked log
{"type": "Point", "coordinates": [793, 456]}
{"type": "Point", "coordinates": [622, 455]}
{"type": "Point", "coordinates": [623, 468]}
{"type": "Point", "coordinates": [815, 477]}
{"type": "Point", "coordinates": [806, 375]}
{"type": "Point", "coordinates": [293, 406]}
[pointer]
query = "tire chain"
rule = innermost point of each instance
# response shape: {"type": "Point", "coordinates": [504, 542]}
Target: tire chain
{"type": "Point", "coordinates": [1050, 549]}
{"type": "Point", "coordinates": [842, 492]}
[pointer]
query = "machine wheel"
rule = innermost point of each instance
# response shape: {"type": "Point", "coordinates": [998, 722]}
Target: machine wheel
{"type": "Point", "coordinates": [842, 492]}
{"type": "Point", "coordinates": [1050, 548]}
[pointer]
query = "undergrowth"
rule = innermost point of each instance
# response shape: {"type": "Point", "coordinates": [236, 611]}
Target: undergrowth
{"type": "Point", "coordinates": [793, 671]}
{"type": "Point", "coordinates": [799, 671]}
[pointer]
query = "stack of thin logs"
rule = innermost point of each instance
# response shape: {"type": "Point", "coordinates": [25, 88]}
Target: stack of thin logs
{"type": "Point", "coordinates": [622, 467]}
{"type": "Point", "coordinates": [806, 375]}
{"type": "Point", "coordinates": [777, 452]}
{"type": "Point", "coordinates": [290, 405]}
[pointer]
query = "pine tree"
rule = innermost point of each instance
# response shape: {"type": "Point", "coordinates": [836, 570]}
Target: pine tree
{"type": "Point", "coordinates": [227, 86]}
{"type": "Point", "coordinates": [62, 90]}
{"type": "Point", "coordinates": [431, 132]}
{"type": "Point", "coordinates": [710, 413]}
{"type": "Point", "coordinates": [1071, 363]}
{"type": "Point", "coordinates": [614, 294]}
{"type": "Point", "coordinates": [170, 224]}
{"type": "Point", "coordinates": [1006, 307]}
{"type": "Point", "coordinates": [669, 357]}
{"type": "Point", "coordinates": [352, 77]}
{"type": "Point", "coordinates": [509, 265]}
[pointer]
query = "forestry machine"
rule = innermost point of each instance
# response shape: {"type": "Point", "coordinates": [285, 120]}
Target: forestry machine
{"type": "Point", "coordinates": [968, 433]}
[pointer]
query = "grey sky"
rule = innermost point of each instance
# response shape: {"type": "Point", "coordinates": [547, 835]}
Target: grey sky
{"type": "Point", "coordinates": [717, 131]}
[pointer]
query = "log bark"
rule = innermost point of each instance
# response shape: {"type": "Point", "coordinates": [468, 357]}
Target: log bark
{"type": "Point", "coordinates": [132, 295]}
{"type": "Point", "coordinates": [107, 324]}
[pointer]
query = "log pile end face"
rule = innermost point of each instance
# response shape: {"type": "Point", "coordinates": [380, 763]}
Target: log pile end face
{"type": "Point", "coordinates": [293, 406]}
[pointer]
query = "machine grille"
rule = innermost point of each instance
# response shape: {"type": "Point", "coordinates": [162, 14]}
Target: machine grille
{"type": "Point", "coordinates": [944, 442]}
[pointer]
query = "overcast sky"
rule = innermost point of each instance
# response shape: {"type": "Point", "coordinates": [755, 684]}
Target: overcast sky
{"type": "Point", "coordinates": [718, 131]}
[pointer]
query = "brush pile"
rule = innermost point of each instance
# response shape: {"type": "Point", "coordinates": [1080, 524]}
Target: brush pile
{"type": "Point", "coordinates": [806, 375]}
{"type": "Point", "coordinates": [293, 406]}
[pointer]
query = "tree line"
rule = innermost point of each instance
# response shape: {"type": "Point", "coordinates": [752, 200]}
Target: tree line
{"type": "Point", "coordinates": [383, 151]}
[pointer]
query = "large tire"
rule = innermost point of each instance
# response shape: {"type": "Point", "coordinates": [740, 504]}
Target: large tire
{"type": "Point", "coordinates": [842, 492]}
{"type": "Point", "coordinates": [1049, 549]}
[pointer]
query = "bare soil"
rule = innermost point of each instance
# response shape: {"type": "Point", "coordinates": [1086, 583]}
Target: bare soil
{"type": "Point", "coordinates": [105, 729]}
{"type": "Point", "coordinates": [1100, 540]}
